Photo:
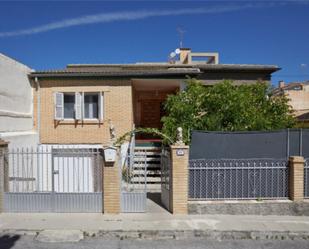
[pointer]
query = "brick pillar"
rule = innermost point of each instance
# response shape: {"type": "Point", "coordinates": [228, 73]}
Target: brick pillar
{"type": "Point", "coordinates": [296, 178]}
{"type": "Point", "coordinates": [3, 172]}
{"type": "Point", "coordinates": [179, 179]}
{"type": "Point", "coordinates": [111, 186]}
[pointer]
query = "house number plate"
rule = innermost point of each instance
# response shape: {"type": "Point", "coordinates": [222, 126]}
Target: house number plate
{"type": "Point", "coordinates": [180, 152]}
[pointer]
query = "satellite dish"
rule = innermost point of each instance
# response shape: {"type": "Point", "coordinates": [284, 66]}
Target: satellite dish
{"type": "Point", "coordinates": [172, 55]}
{"type": "Point", "coordinates": [177, 51]}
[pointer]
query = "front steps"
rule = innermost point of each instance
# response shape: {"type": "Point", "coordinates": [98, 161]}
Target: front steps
{"type": "Point", "coordinates": [149, 157]}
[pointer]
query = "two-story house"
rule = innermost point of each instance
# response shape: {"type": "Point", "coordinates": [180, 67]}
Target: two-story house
{"type": "Point", "coordinates": [76, 105]}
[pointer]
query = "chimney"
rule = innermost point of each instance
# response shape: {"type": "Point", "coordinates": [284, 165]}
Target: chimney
{"type": "Point", "coordinates": [183, 57]}
{"type": "Point", "coordinates": [281, 84]}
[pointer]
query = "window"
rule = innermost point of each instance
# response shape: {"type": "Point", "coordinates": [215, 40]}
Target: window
{"type": "Point", "coordinates": [91, 106]}
{"type": "Point", "coordinates": [78, 106]}
{"type": "Point", "coordinates": [68, 105]}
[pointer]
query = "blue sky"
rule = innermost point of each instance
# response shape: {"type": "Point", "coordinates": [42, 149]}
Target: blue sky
{"type": "Point", "coordinates": [51, 34]}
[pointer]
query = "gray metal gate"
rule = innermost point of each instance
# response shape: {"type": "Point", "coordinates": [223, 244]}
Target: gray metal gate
{"type": "Point", "coordinates": [306, 178]}
{"type": "Point", "coordinates": [133, 169]}
{"type": "Point", "coordinates": [165, 177]}
{"type": "Point", "coordinates": [53, 180]}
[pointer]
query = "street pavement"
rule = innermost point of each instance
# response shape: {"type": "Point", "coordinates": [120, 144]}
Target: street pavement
{"type": "Point", "coordinates": [152, 226]}
{"type": "Point", "coordinates": [96, 223]}
{"type": "Point", "coordinates": [27, 242]}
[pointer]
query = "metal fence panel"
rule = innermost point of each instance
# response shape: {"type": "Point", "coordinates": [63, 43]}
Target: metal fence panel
{"type": "Point", "coordinates": [306, 178]}
{"type": "Point", "coordinates": [54, 180]}
{"type": "Point", "coordinates": [133, 202]}
{"type": "Point", "coordinates": [49, 202]}
{"type": "Point", "coordinates": [240, 145]}
{"type": "Point", "coordinates": [238, 179]}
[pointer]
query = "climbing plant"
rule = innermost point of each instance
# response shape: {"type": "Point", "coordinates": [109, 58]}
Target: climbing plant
{"type": "Point", "coordinates": [153, 131]}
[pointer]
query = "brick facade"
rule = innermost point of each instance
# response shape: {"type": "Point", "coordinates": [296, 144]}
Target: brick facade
{"type": "Point", "coordinates": [147, 105]}
{"type": "Point", "coordinates": [118, 108]}
{"type": "Point", "coordinates": [296, 178]}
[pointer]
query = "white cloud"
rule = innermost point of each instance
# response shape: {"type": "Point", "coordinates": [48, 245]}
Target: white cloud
{"type": "Point", "coordinates": [128, 16]}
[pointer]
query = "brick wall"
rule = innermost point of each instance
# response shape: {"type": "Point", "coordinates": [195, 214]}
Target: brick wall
{"type": "Point", "coordinates": [179, 179]}
{"type": "Point", "coordinates": [296, 178]}
{"type": "Point", "coordinates": [147, 106]}
{"type": "Point", "coordinates": [111, 187]}
{"type": "Point", "coordinates": [117, 107]}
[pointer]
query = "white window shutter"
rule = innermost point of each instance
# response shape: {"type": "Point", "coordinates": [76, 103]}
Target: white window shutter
{"type": "Point", "coordinates": [78, 106]}
{"type": "Point", "coordinates": [101, 106]}
{"type": "Point", "coordinates": [58, 98]}
{"type": "Point", "coordinates": [82, 105]}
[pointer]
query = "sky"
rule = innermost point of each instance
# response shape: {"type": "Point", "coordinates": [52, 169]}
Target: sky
{"type": "Point", "coordinates": [52, 34]}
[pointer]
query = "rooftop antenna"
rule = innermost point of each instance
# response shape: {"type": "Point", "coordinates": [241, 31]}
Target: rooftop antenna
{"type": "Point", "coordinates": [181, 33]}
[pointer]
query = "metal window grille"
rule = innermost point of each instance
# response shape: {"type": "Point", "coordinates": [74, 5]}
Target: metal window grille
{"type": "Point", "coordinates": [238, 179]}
{"type": "Point", "coordinates": [306, 178]}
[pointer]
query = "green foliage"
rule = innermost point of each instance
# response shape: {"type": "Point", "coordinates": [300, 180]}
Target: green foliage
{"type": "Point", "coordinates": [302, 124]}
{"type": "Point", "coordinates": [225, 107]}
{"type": "Point", "coordinates": [153, 131]}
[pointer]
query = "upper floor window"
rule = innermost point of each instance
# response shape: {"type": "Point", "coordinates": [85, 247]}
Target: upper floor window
{"type": "Point", "coordinates": [68, 105]}
{"type": "Point", "coordinates": [91, 105]}
{"type": "Point", "coordinates": [78, 105]}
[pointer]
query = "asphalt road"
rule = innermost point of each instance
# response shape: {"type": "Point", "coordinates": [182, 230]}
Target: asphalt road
{"type": "Point", "coordinates": [27, 242]}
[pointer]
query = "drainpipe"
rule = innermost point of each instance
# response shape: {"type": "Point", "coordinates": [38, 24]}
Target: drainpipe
{"type": "Point", "coordinates": [36, 80]}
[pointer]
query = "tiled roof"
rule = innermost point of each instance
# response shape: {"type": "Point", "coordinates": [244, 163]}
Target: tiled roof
{"type": "Point", "coordinates": [149, 69]}
{"type": "Point", "coordinates": [290, 86]}
{"type": "Point", "coordinates": [303, 117]}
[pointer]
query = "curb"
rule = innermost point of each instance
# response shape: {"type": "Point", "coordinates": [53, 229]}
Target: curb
{"type": "Point", "coordinates": [178, 234]}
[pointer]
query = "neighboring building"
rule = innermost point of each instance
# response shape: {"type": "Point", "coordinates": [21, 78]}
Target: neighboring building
{"type": "Point", "coordinates": [75, 105]}
{"type": "Point", "coordinates": [298, 93]}
{"type": "Point", "coordinates": [16, 104]}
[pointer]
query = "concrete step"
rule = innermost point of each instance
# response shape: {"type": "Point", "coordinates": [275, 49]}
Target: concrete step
{"type": "Point", "coordinates": [149, 179]}
{"type": "Point", "coordinates": [149, 167]}
{"type": "Point", "coordinates": [147, 148]}
{"type": "Point", "coordinates": [147, 159]}
{"type": "Point", "coordinates": [147, 153]}
{"type": "Point", "coordinates": [149, 174]}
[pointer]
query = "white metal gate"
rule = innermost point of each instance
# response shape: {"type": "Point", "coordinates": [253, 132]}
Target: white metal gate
{"type": "Point", "coordinates": [53, 180]}
{"type": "Point", "coordinates": [133, 169]}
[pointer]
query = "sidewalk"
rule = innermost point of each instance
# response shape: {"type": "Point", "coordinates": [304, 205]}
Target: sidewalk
{"type": "Point", "coordinates": [161, 225]}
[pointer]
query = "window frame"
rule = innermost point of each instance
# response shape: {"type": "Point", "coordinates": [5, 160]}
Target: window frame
{"type": "Point", "coordinates": [101, 106]}
{"type": "Point", "coordinates": [64, 118]}
{"type": "Point", "coordinates": [83, 106]}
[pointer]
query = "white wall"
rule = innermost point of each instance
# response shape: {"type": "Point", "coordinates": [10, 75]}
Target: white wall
{"type": "Point", "coordinates": [25, 139]}
{"type": "Point", "coordinates": [15, 96]}
{"type": "Point", "coordinates": [16, 104]}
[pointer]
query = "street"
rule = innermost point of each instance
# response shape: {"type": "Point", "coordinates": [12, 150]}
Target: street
{"type": "Point", "coordinates": [25, 242]}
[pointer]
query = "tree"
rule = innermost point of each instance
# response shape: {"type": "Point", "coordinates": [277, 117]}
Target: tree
{"type": "Point", "coordinates": [225, 107]}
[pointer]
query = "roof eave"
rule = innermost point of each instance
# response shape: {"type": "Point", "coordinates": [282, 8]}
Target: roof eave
{"type": "Point", "coordinates": [68, 75]}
